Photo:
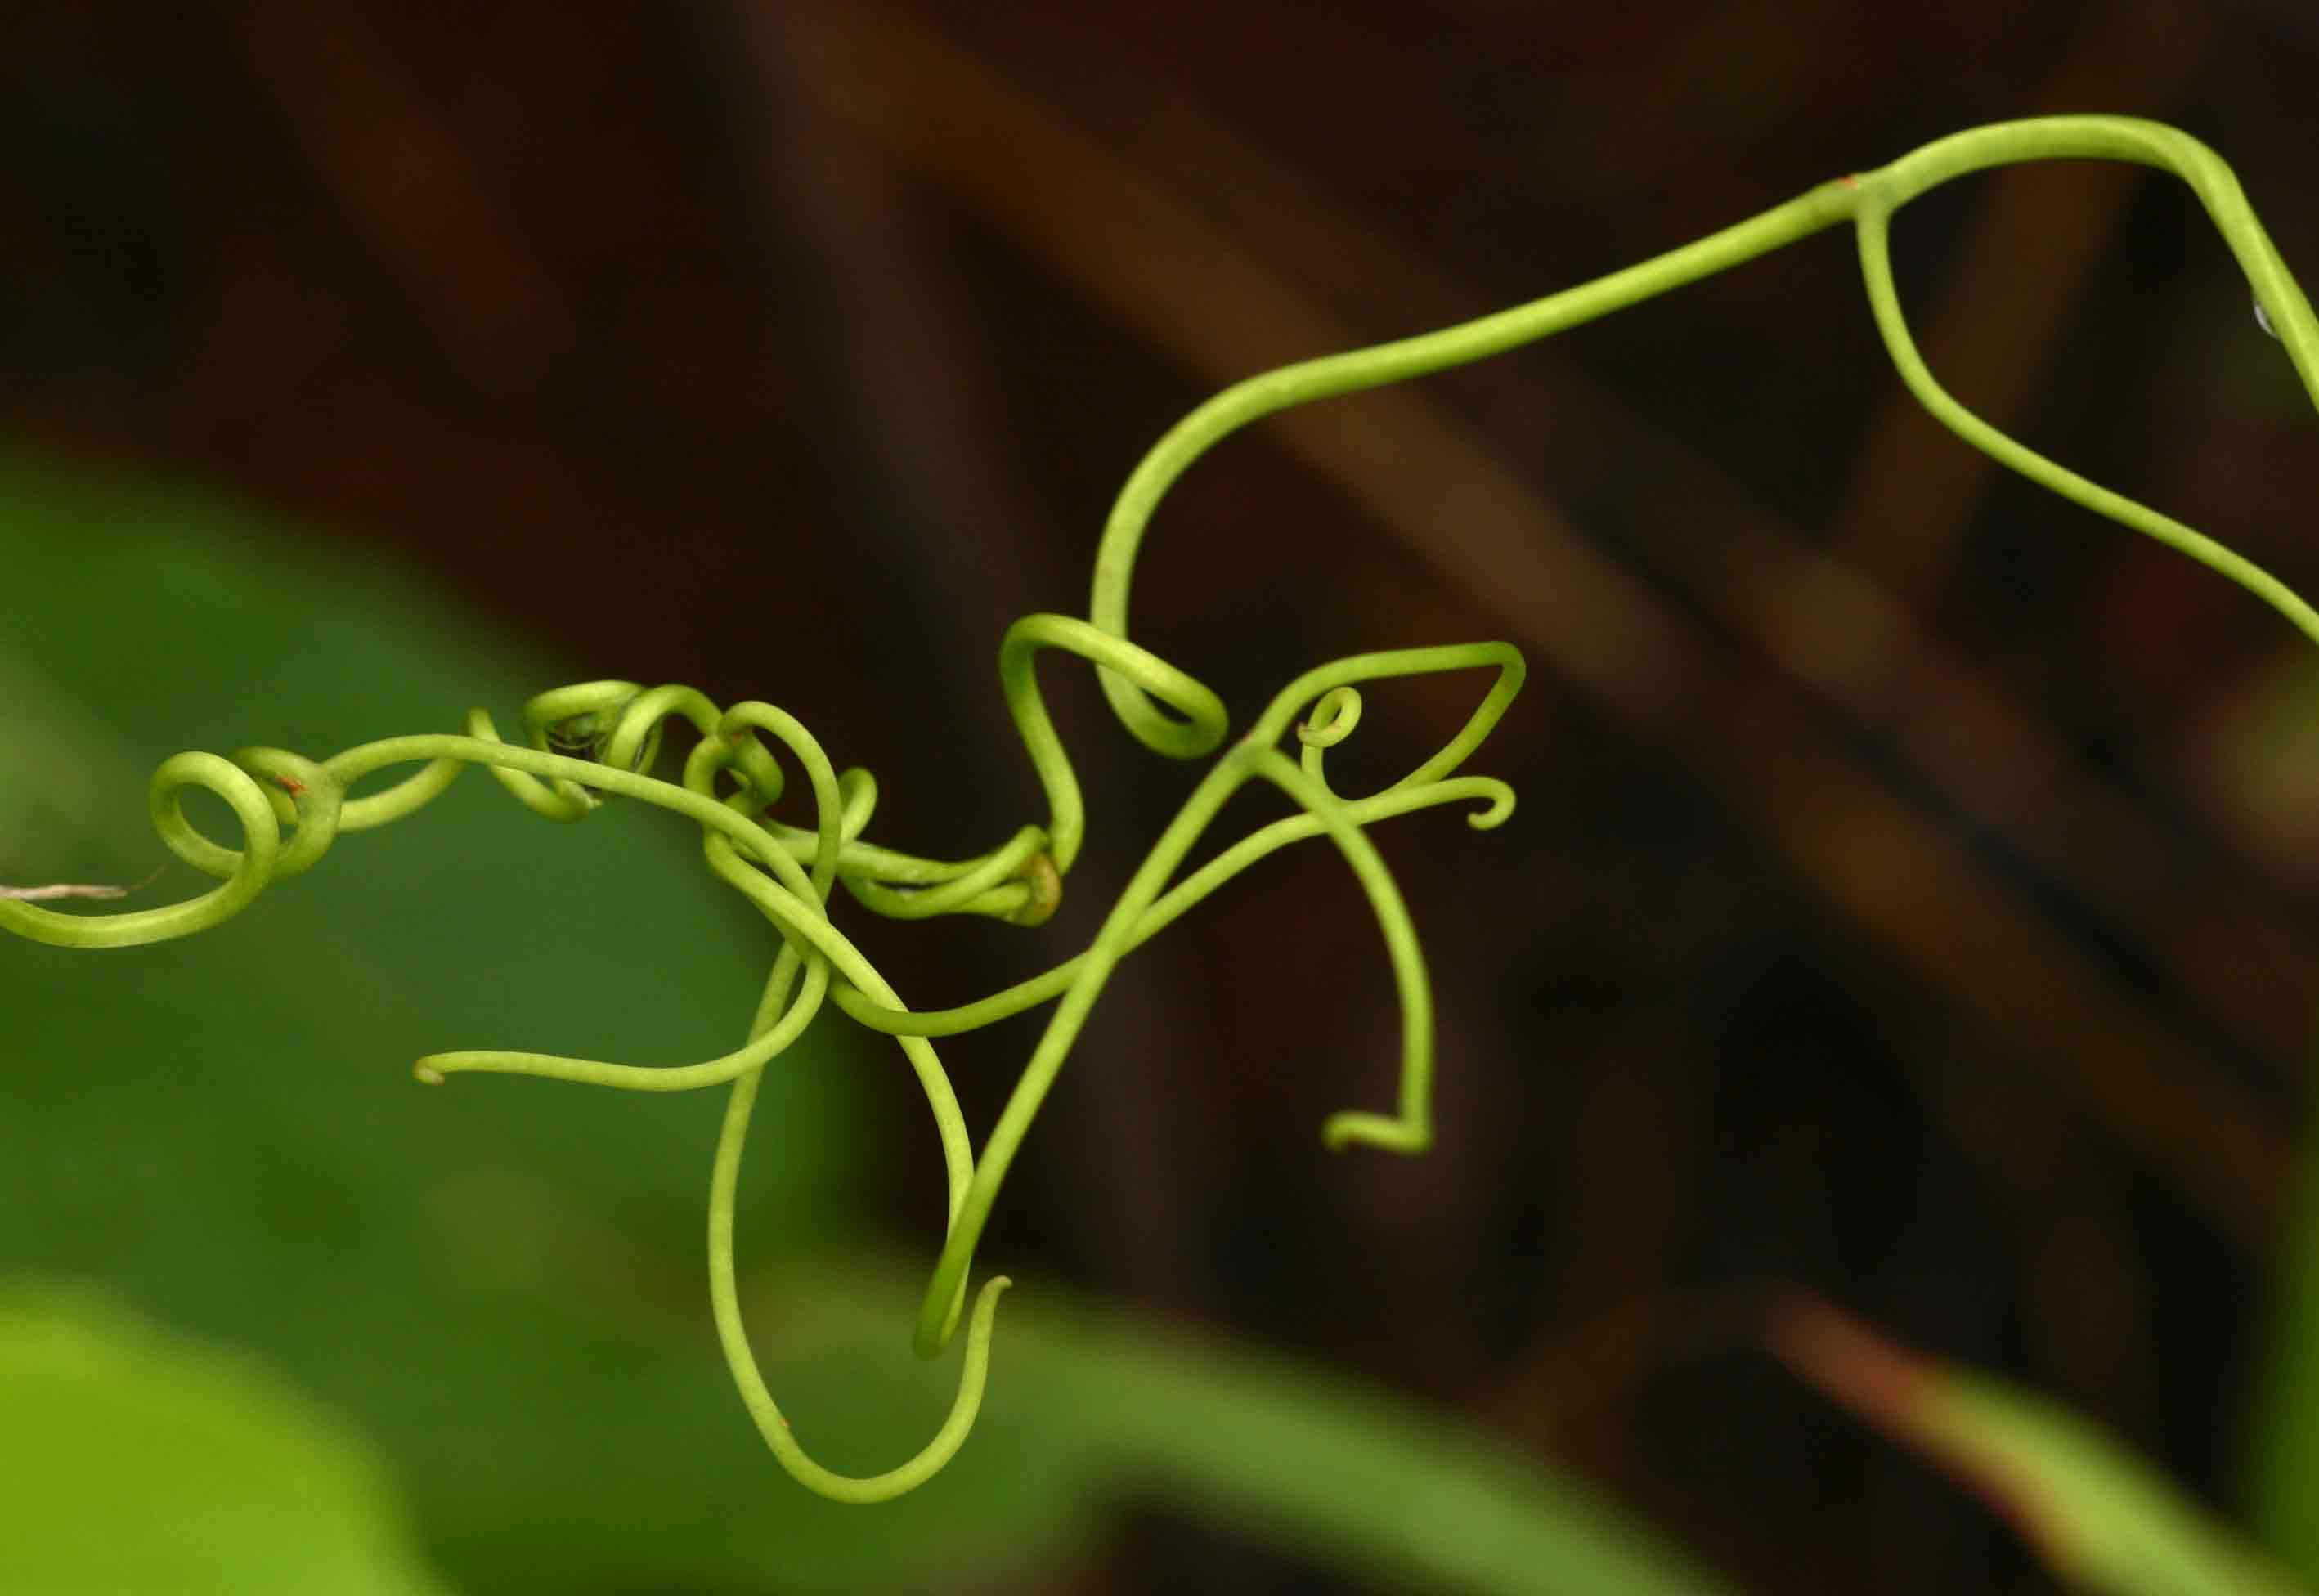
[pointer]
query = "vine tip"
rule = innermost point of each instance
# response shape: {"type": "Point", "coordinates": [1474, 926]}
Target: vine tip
{"type": "Point", "coordinates": [1340, 1131]}
{"type": "Point", "coordinates": [1495, 814]}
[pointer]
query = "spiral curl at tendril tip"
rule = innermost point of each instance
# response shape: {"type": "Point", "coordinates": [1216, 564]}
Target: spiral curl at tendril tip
{"type": "Point", "coordinates": [593, 741]}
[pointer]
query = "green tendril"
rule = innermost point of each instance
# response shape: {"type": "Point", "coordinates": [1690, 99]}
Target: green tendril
{"type": "Point", "coordinates": [594, 741]}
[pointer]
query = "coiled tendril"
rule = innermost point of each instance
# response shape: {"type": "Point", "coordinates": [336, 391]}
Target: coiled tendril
{"type": "Point", "coordinates": [594, 740]}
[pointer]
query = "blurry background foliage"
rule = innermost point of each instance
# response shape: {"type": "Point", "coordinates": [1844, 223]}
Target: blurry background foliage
{"type": "Point", "coordinates": [1914, 894]}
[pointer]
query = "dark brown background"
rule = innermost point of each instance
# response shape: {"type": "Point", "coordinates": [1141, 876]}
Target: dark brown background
{"type": "Point", "coordinates": [1912, 894]}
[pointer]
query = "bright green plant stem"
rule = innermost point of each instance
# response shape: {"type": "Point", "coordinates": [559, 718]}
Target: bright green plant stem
{"type": "Point", "coordinates": [1867, 200]}
{"type": "Point", "coordinates": [595, 740]}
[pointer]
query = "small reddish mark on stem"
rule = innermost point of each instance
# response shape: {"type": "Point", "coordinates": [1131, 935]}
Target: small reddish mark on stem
{"type": "Point", "coordinates": [291, 785]}
{"type": "Point", "coordinates": [1866, 1372]}
{"type": "Point", "coordinates": [1849, 181]}
{"type": "Point", "coordinates": [1896, 1389]}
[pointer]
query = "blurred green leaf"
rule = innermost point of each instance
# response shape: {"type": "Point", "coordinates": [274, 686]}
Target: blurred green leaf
{"type": "Point", "coordinates": [145, 1465]}
{"type": "Point", "coordinates": [2100, 1518]}
{"type": "Point", "coordinates": [1348, 1474]}
{"type": "Point", "coordinates": [2285, 1452]}
{"type": "Point", "coordinates": [1094, 1405]}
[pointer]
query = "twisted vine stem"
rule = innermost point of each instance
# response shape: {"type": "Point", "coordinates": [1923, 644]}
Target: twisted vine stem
{"type": "Point", "coordinates": [599, 739]}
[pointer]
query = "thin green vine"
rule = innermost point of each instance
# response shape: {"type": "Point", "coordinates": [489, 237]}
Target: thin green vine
{"type": "Point", "coordinates": [595, 740]}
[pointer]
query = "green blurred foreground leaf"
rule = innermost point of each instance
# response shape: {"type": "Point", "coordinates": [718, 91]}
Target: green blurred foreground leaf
{"type": "Point", "coordinates": [2099, 1517]}
{"type": "Point", "coordinates": [1347, 1475]}
{"type": "Point", "coordinates": [231, 1484]}
{"type": "Point", "coordinates": [1113, 1409]}
{"type": "Point", "coordinates": [500, 1283]}
{"type": "Point", "coordinates": [139, 1464]}
{"type": "Point", "coordinates": [2286, 1449]}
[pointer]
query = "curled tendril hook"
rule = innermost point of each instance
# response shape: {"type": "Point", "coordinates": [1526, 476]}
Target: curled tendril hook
{"type": "Point", "coordinates": [590, 741]}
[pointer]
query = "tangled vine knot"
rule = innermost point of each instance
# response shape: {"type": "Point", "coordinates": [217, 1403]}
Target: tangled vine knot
{"type": "Point", "coordinates": [598, 739]}
{"type": "Point", "coordinates": [601, 738]}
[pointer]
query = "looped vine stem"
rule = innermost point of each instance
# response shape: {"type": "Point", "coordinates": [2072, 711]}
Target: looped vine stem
{"type": "Point", "coordinates": [606, 733]}
{"type": "Point", "coordinates": [589, 742]}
